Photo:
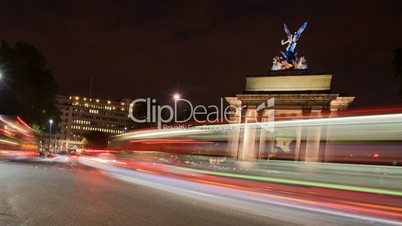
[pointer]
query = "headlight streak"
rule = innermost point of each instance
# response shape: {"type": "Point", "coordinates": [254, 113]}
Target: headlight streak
{"type": "Point", "coordinates": [316, 203]}
{"type": "Point", "coordinates": [203, 154]}
{"type": "Point", "coordinates": [297, 182]}
{"type": "Point", "coordinates": [8, 142]}
{"type": "Point", "coordinates": [207, 129]}
{"type": "Point", "coordinates": [234, 194]}
{"type": "Point", "coordinates": [160, 133]}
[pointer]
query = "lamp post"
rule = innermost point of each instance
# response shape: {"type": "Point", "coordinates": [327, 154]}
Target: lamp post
{"type": "Point", "coordinates": [50, 127]}
{"type": "Point", "coordinates": [50, 132]}
{"type": "Point", "coordinates": [177, 97]}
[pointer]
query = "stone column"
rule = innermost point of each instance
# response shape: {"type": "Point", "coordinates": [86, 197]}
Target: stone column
{"type": "Point", "coordinates": [330, 148]}
{"type": "Point", "coordinates": [263, 133]}
{"type": "Point", "coordinates": [298, 142]}
{"type": "Point", "coordinates": [313, 140]}
{"type": "Point", "coordinates": [235, 130]}
{"type": "Point", "coordinates": [313, 144]}
{"type": "Point", "coordinates": [234, 134]}
{"type": "Point", "coordinates": [249, 149]}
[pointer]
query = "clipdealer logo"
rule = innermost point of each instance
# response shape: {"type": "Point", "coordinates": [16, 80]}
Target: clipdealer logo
{"type": "Point", "coordinates": [165, 114]}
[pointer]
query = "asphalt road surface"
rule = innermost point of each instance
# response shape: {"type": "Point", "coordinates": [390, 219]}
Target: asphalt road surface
{"type": "Point", "coordinates": [48, 193]}
{"type": "Point", "coordinates": [61, 194]}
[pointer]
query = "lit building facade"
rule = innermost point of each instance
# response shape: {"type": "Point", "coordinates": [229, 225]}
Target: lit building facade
{"type": "Point", "coordinates": [81, 115]}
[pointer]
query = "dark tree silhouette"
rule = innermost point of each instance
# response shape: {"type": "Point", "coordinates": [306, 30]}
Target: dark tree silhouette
{"type": "Point", "coordinates": [397, 67]}
{"type": "Point", "coordinates": [27, 88]}
{"type": "Point", "coordinates": [96, 139]}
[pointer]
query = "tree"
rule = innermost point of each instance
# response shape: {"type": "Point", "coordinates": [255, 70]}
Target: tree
{"type": "Point", "coordinates": [27, 88]}
{"type": "Point", "coordinates": [84, 142]}
{"type": "Point", "coordinates": [37, 128]}
{"type": "Point", "coordinates": [95, 139]}
{"type": "Point", "coordinates": [397, 66]}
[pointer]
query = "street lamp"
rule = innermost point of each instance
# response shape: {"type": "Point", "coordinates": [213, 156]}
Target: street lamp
{"type": "Point", "coordinates": [50, 132]}
{"type": "Point", "coordinates": [50, 127]}
{"type": "Point", "coordinates": [176, 96]}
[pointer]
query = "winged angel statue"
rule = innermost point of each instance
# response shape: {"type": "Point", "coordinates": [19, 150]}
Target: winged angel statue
{"type": "Point", "coordinates": [289, 59]}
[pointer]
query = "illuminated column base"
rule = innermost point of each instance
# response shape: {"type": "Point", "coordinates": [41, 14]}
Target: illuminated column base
{"type": "Point", "coordinates": [234, 137]}
{"type": "Point", "coordinates": [298, 143]}
{"type": "Point", "coordinates": [248, 148]}
{"type": "Point", "coordinates": [313, 144]}
{"type": "Point", "coordinates": [266, 142]}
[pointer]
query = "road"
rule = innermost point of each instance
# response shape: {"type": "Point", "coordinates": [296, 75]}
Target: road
{"type": "Point", "coordinates": [49, 193]}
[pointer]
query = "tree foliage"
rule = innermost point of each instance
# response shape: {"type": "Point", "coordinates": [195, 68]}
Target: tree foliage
{"type": "Point", "coordinates": [27, 88]}
{"type": "Point", "coordinates": [95, 139]}
{"type": "Point", "coordinates": [397, 66]}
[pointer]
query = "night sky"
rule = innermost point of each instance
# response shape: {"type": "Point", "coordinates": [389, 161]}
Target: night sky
{"type": "Point", "coordinates": [204, 49]}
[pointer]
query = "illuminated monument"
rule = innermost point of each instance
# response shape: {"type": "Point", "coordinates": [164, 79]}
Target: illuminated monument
{"type": "Point", "coordinates": [289, 91]}
{"type": "Point", "coordinates": [290, 60]}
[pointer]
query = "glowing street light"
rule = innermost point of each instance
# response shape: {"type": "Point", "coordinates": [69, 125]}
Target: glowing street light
{"type": "Point", "coordinates": [51, 123]}
{"type": "Point", "coordinates": [176, 96]}
{"type": "Point", "coordinates": [50, 132]}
